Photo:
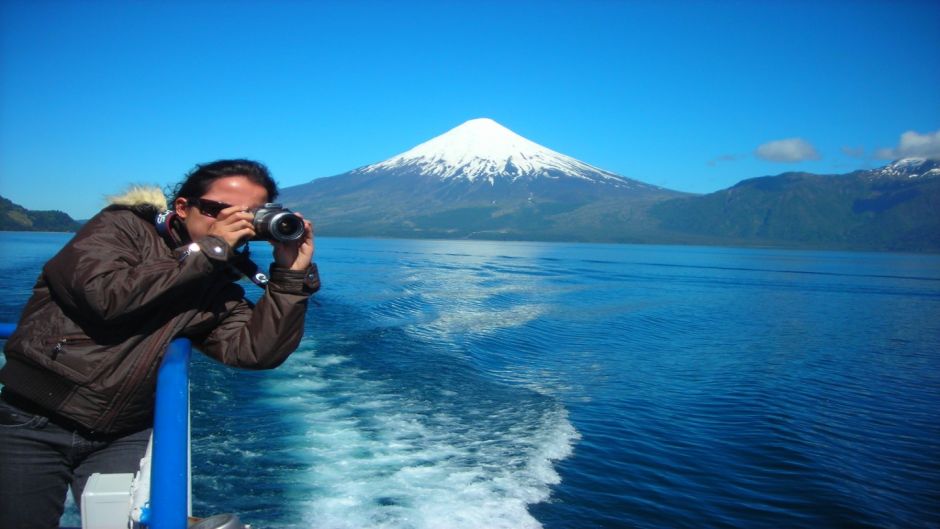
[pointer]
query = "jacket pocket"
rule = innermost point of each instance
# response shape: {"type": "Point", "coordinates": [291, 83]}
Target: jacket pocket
{"type": "Point", "coordinates": [77, 358]}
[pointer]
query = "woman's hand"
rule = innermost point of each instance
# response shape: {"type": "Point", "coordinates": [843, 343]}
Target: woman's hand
{"type": "Point", "coordinates": [295, 255]}
{"type": "Point", "coordinates": [234, 225]}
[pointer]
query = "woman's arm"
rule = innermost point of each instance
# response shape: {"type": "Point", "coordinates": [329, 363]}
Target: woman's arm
{"type": "Point", "coordinates": [108, 273]}
{"type": "Point", "coordinates": [264, 335]}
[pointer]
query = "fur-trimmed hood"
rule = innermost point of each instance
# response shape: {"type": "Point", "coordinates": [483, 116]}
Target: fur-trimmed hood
{"type": "Point", "coordinates": [140, 196]}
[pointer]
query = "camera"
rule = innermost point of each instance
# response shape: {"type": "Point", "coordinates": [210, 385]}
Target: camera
{"type": "Point", "coordinates": [274, 222]}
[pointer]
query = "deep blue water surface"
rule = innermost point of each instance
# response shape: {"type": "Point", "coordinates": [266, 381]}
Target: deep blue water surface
{"type": "Point", "coordinates": [460, 384]}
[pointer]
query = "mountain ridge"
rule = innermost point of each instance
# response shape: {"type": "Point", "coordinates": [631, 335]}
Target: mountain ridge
{"type": "Point", "coordinates": [14, 217]}
{"type": "Point", "coordinates": [464, 184]}
{"type": "Point", "coordinates": [889, 208]}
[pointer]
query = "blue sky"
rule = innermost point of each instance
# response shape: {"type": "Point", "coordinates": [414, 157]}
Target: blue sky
{"type": "Point", "coordinates": [694, 96]}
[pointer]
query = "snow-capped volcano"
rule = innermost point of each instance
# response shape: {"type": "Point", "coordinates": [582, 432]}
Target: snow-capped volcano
{"type": "Point", "coordinates": [479, 179]}
{"type": "Point", "coordinates": [482, 150]}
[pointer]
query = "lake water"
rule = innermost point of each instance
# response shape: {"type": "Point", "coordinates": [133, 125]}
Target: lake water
{"type": "Point", "coordinates": [466, 384]}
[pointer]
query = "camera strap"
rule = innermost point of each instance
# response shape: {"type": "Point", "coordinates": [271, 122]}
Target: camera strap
{"type": "Point", "coordinates": [246, 266]}
{"type": "Point", "coordinates": [168, 225]}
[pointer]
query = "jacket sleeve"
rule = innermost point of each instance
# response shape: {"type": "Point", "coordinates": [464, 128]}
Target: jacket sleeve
{"type": "Point", "coordinates": [264, 335]}
{"type": "Point", "coordinates": [108, 272]}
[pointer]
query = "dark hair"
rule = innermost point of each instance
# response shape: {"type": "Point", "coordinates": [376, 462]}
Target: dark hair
{"type": "Point", "coordinates": [198, 180]}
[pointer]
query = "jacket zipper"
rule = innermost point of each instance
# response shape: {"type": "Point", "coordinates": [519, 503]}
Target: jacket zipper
{"type": "Point", "coordinates": [62, 343]}
{"type": "Point", "coordinates": [58, 348]}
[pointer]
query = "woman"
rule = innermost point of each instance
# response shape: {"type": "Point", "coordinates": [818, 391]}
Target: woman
{"type": "Point", "coordinates": [80, 369]}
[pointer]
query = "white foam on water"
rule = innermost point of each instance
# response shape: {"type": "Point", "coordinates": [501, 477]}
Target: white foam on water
{"type": "Point", "coordinates": [377, 457]}
{"type": "Point", "coordinates": [463, 306]}
{"type": "Point", "coordinates": [480, 320]}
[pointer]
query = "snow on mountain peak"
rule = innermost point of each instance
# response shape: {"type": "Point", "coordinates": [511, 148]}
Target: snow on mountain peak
{"type": "Point", "coordinates": [482, 148]}
{"type": "Point", "coordinates": [910, 168]}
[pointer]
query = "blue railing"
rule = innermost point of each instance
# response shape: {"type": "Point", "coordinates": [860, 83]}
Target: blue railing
{"type": "Point", "coordinates": [169, 463]}
{"type": "Point", "coordinates": [169, 460]}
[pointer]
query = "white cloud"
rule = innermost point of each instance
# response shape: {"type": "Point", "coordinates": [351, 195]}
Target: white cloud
{"type": "Point", "coordinates": [913, 145]}
{"type": "Point", "coordinates": [788, 150]}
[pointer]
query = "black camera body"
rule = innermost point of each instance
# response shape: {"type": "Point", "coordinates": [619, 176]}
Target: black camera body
{"type": "Point", "coordinates": [274, 222]}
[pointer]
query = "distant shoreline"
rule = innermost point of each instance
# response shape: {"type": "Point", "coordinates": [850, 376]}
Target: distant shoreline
{"type": "Point", "coordinates": [743, 246]}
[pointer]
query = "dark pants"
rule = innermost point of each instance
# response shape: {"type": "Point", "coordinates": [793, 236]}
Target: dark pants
{"type": "Point", "coordinates": [40, 459]}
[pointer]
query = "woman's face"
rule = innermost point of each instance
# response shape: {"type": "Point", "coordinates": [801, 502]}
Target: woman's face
{"type": "Point", "coordinates": [230, 190]}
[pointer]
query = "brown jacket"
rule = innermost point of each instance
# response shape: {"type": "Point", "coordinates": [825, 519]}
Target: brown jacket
{"type": "Point", "coordinates": [92, 336]}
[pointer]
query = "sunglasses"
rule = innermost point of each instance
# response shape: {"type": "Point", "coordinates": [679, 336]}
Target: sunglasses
{"type": "Point", "coordinates": [209, 208]}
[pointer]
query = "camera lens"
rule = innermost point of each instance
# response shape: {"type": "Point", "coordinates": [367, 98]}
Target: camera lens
{"type": "Point", "coordinates": [287, 227]}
